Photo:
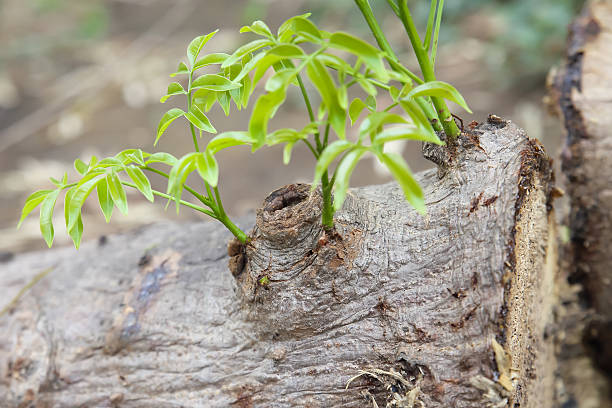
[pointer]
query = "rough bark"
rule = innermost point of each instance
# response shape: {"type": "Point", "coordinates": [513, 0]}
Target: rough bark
{"type": "Point", "coordinates": [448, 310]}
{"type": "Point", "coordinates": [582, 92]}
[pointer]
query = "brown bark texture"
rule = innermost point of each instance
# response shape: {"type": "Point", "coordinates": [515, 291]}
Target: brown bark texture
{"type": "Point", "coordinates": [582, 93]}
{"type": "Point", "coordinates": [451, 309]}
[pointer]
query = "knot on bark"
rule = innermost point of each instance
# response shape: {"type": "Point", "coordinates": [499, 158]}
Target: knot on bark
{"type": "Point", "coordinates": [289, 219]}
{"type": "Point", "coordinates": [285, 237]}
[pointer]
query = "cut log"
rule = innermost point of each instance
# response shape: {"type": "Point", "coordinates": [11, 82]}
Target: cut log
{"type": "Point", "coordinates": [582, 92]}
{"type": "Point", "coordinates": [451, 309]}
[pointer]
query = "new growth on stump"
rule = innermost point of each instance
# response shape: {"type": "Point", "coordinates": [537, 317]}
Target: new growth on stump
{"type": "Point", "coordinates": [334, 299]}
{"type": "Point", "coordinates": [334, 63]}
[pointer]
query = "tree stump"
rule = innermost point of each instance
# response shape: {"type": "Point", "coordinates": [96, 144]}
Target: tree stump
{"type": "Point", "coordinates": [451, 309]}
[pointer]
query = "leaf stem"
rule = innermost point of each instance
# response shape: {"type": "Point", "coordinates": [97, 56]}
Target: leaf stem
{"type": "Point", "coordinates": [197, 195]}
{"type": "Point", "coordinates": [193, 135]}
{"type": "Point", "coordinates": [391, 57]}
{"type": "Point", "coordinates": [222, 216]}
{"type": "Point", "coordinates": [430, 22]}
{"type": "Point", "coordinates": [327, 212]}
{"type": "Point", "coordinates": [169, 197]}
{"type": "Point", "coordinates": [449, 125]}
{"type": "Point", "coordinates": [434, 47]}
{"type": "Point", "coordinates": [310, 112]}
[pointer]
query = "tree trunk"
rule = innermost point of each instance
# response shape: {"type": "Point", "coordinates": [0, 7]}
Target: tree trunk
{"type": "Point", "coordinates": [582, 92]}
{"type": "Point", "coordinates": [451, 309]}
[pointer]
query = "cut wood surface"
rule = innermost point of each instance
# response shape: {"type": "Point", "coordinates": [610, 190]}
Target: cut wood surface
{"type": "Point", "coordinates": [582, 92]}
{"type": "Point", "coordinates": [451, 309]}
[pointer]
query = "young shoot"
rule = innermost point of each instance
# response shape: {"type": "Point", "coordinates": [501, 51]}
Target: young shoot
{"type": "Point", "coordinates": [336, 64]}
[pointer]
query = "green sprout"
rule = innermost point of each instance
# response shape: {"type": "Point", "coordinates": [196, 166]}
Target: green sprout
{"type": "Point", "coordinates": [335, 64]}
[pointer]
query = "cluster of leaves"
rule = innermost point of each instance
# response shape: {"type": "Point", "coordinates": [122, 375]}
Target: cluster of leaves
{"type": "Point", "coordinates": [278, 60]}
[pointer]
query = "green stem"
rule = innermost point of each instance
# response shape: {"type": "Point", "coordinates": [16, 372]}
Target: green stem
{"type": "Point", "coordinates": [222, 216]}
{"type": "Point", "coordinates": [327, 215]}
{"type": "Point", "coordinates": [310, 111]}
{"type": "Point", "coordinates": [364, 6]}
{"type": "Point", "coordinates": [182, 202]}
{"type": "Point", "coordinates": [326, 137]}
{"type": "Point", "coordinates": [314, 152]}
{"type": "Point", "coordinates": [434, 47]}
{"type": "Point", "coordinates": [449, 125]}
{"type": "Point", "coordinates": [391, 57]}
{"type": "Point", "coordinates": [197, 195]}
{"type": "Point", "coordinates": [430, 112]}
{"type": "Point", "coordinates": [430, 22]}
{"type": "Point", "coordinates": [193, 135]}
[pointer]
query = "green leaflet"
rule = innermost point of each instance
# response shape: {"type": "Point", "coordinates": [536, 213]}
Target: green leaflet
{"type": "Point", "coordinates": [377, 119]}
{"type": "Point", "coordinates": [166, 120]}
{"type": "Point", "coordinates": [210, 59]}
{"type": "Point", "coordinates": [343, 175]}
{"type": "Point", "coordinates": [31, 203]}
{"type": "Point", "coordinates": [214, 82]}
{"type": "Point", "coordinates": [245, 49]}
{"type": "Point", "coordinates": [207, 167]}
{"type": "Point", "coordinates": [440, 89]}
{"type": "Point", "coordinates": [116, 191]}
{"type": "Point", "coordinates": [370, 55]}
{"type": "Point", "coordinates": [320, 77]}
{"type": "Point", "coordinates": [258, 27]}
{"type": "Point", "coordinates": [301, 26]}
{"type": "Point", "coordinates": [264, 109]}
{"type": "Point", "coordinates": [162, 157]}
{"type": "Point", "coordinates": [141, 181]}
{"type": "Point", "coordinates": [229, 139]}
{"type": "Point", "coordinates": [401, 172]}
{"type": "Point", "coordinates": [194, 48]}
{"type": "Point", "coordinates": [327, 156]}
{"type": "Point", "coordinates": [77, 199]}
{"type": "Point", "coordinates": [199, 119]}
{"type": "Point", "coordinates": [182, 69]}
{"type": "Point", "coordinates": [105, 199]}
{"type": "Point", "coordinates": [46, 216]}
{"type": "Point", "coordinates": [173, 89]}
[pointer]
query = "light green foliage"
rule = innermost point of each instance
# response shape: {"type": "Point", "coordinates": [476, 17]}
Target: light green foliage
{"type": "Point", "coordinates": [339, 66]}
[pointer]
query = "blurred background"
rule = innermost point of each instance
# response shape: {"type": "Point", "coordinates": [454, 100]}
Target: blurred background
{"type": "Point", "coordinates": [84, 77]}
